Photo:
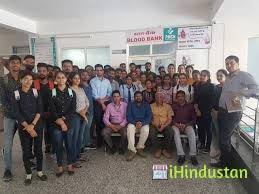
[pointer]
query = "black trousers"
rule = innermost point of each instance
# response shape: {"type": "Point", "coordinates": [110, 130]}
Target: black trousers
{"type": "Point", "coordinates": [205, 129]}
{"type": "Point", "coordinates": [168, 134]}
{"type": "Point", "coordinates": [26, 140]}
{"type": "Point", "coordinates": [228, 122]}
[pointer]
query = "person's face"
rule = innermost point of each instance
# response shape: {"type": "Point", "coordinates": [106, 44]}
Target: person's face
{"type": "Point", "coordinates": [134, 76]}
{"type": "Point", "coordinates": [167, 80]}
{"type": "Point", "coordinates": [148, 67]}
{"type": "Point", "coordinates": [162, 73]}
{"type": "Point", "coordinates": [67, 67]}
{"type": "Point", "coordinates": [158, 81]}
{"type": "Point", "coordinates": [61, 79]}
{"type": "Point", "coordinates": [123, 66]}
{"type": "Point", "coordinates": [182, 80]}
{"type": "Point", "coordinates": [181, 69]}
{"type": "Point", "coordinates": [29, 64]}
{"type": "Point", "coordinates": [138, 71]}
{"type": "Point", "coordinates": [151, 77]}
{"type": "Point", "coordinates": [99, 71]}
{"type": "Point", "coordinates": [112, 74]}
{"type": "Point", "coordinates": [123, 74]}
{"type": "Point", "coordinates": [116, 98]}
{"type": "Point", "coordinates": [143, 78]}
{"type": "Point", "coordinates": [118, 73]}
{"type": "Point", "coordinates": [85, 76]}
{"type": "Point", "coordinates": [75, 69]}
{"type": "Point", "coordinates": [231, 65]}
{"type": "Point", "coordinates": [221, 77]}
{"type": "Point", "coordinates": [15, 65]}
{"type": "Point", "coordinates": [196, 77]}
{"type": "Point", "coordinates": [129, 81]}
{"type": "Point", "coordinates": [189, 72]}
{"type": "Point", "coordinates": [161, 69]}
{"type": "Point", "coordinates": [138, 98]}
{"type": "Point", "coordinates": [204, 77]}
{"type": "Point", "coordinates": [171, 69]}
{"type": "Point", "coordinates": [132, 67]}
{"type": "Point", "coordinates": [42, 72]}
{"type": "Point", "coordinates": [50, 69]}
{"type": "Point", "coordinates": [180, 98]}
{"type": "Point", "coordinates": [27, 81]}
{"type": "Point", "coordinates": [89, 70]}
{"type": "Point", "coordinates": [159, 98]}
{"type": "Point", "coordinates": [149, 85]}
{"type": "Point", "coordinates": [76, 80]}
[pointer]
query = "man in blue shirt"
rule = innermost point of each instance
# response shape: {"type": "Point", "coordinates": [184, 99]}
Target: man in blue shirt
{"type": "Point", "coordinates": [102, 90]}
{"type": "Point", "coordinates": [139, 117]}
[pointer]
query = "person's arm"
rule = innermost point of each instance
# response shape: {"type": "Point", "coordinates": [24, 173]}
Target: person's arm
{"type": "Point", "coordinates": [192, 117]}
{"type": "Point", "coordinates": [17, 112]}
{"type": "Point", "coordinates": [129, 114]}
{"type": "Point", "coordinates": [124, 122]}
{"type": "Point", "coordinates": [148, 115]}
{"type": "Point", "coordinates": [94, 89]}
{"type": "Point", "coordinates": [109, 90]}
{"type": "Point", "coordinates": [174, 94]}
{"type": "Point", "coordinates": [252, 87]}
{"type": "Point", "coordinates": [106, 116]}
{"type": "Point", "coordinates": [122, 93]}
{"type": "Point", "coordinates": [169, 117]}
{"type": "Point", "coordinates": [40, 111]}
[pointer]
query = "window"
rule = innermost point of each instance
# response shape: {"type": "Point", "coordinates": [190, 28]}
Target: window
{"type": "Point", "coordinates": [21, 50]}
{"type": "Point", "coordinates": [163, 48]}
{"type": "Point", "coordinates": [139, 50]}
{"type": "Point", "coordinates": [87, 56]}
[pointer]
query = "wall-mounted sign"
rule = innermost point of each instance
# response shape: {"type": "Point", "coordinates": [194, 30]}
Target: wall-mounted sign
{"type": "Point", "coordinates": [145, 36]}
{"type": "Point", "coordinates": [122, 51]}
{"type": "Point", "coordinates": [170, 34]}
{"type": "Point", "coordinates": [194, 37]}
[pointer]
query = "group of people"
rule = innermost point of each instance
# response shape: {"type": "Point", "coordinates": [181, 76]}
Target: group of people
{"type": "Point", "coordinates": [76, 109]}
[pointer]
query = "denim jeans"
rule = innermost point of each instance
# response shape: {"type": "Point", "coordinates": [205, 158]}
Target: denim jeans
{"type": "Point", "coordinates": [9, 131]}
{"type": "Point", "coordinates": [59, 138]}
{"type": "Point", "coordinates": [87, 141]}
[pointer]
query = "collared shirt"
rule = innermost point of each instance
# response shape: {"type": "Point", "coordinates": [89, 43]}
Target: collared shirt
{"type": "Point", "coordinates": [168, 94]}
{"type": "Point", "coordinates": [115, 85]}
{"type": "Point", "coordinates": [161, 113]}
{"type": "Point", "coordinates": [101, 87]}
{"type": "Point", "coordinates": [26, 106]}
{"type": "Point", "coordinates": [139, 113]}
{"type": "Point", "coordinates": [237, 82]}
{"type": "Point", "coordinates": [62, 105]}
{"type": "Point", "coordinates": [184, 114]}
{"type": "Point", "coordinates": [81, 99]}
{"type": "Point", "coordinates": [126, 90]}
{"type": "Point", "coordinates": [89, 94]}
{"type": "Point", "coordinates": [7, 86]}
{"type": "Point", "coordinates": [115, 114]}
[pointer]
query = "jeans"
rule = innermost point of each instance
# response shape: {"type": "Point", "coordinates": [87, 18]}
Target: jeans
{"type": "Point", "coordinates": [25, 139]}
{"type": "Point", "coordinates": [9, 131]}
{"type": "Point", "coordinates": [78, 126]}
{"type": "Point", "coordinates": [189, 131]}
{"type": "Point", "coordinates": [86, 133]}
{"type": "Point", "coordinates": [168, 134]}
{"type": "Point", "coordinates": [59, 138]}
{"type": "Point", "coordinates": [98, 119]}
{"type": "Point", "coordinates": [228, 122]}
{"type": "Point", "coordinates": [214, 147]}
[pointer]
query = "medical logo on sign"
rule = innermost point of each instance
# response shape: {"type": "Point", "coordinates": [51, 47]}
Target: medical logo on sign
{"type": "Point", "coordinates": [170, 34]}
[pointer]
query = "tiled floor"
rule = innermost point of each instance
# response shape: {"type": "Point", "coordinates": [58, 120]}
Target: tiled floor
{"type": "Point", "coordinates": [112, 174]}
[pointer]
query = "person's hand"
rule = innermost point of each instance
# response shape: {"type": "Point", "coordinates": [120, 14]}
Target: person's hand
{"type": "Point", "coordinates": [24, 124]}
{"type": "Point", "coordinates": [182, 127]}
{"type": "Point", "coordinates": [30, 127]}
{"type": "Point", "coordinates": [177, 125]}
{"type": "Point", "coordinates": [64, 127]}
{"type": "Point", "coordinates": [103, 107]}
{"type": "Point", "coordinates": [59, 121]}
{"type": "Point", "coordinates": [138, 125]}
{"type": "Point", "coordinates": [118, 127]}
{"type": "Point", "coordinates": [32, 133]}
{"type": "Point", "coordinates": [198, 112]}
{"type": "Point", "coordinates": [214, 113]}
{"type": "Point", "coordinates": [85, 118]}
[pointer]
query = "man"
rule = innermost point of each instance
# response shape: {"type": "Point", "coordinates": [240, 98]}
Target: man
{"type": "Point", "coordinates": [127, 90]}
{"type": "Point", "coordinates": [44, 86]}
{"type": "Point", "coordinates": [160, 69]}
{"type": "Point", "coordinates": [181, 69]}
{"type": "Point", "coordinates": [183, 121]}
{"type": "Point", "coordinates": [115, 121]}
{"type": "Point", "coordinates": [112, 76]}
{"type": "Point", "coordinates": [189, 70]}
{"type": "Point", "coordinates": [87, 137]}
{"type": "Point", "coordinates": [171, 70]}
{"type": "Point", "coordinates": [118, 75]}
{"type": "Point", "coordinates": [29, 63]}
{"type": "Point", "coordinates": [123, 66]}
{"type": "Point", "coordinates": [8, 84]}
{"type": "Point", "coordinates": [148, 70]}
{"type": "Point", "coordinates": [67, 66]}
{"type": "Point", "coordinates": [238, 85]}
{"type": "Point", "coordinates": [132, 67]}
{"type": "Point", "coordinates": [139, 117]}
{"type": "Point", "coordinates": [161, 120]}
{"type": "Point", "coordinates": [102, 91]}
{"type": "Point", "coordinates": [75, 68]}
{"type": "Point", "coordinates": [90, 71]}
{"type": "Point", "coordinates": [123, 77]}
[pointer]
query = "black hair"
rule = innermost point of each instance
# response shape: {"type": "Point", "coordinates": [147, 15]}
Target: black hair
{"type": "Point", "coordinates": [137, 92]}
{"type": "Point", "coordinates": [98, 65]}
{"type": "Point", "coordinates": [29, 57]}
{"type": "Point", "coordinates": [15, 57]}
{"type": "Point", "coordinates": [223, 71]}
{"type": "Point", "coordinates": [132, 64]}
{"type": "Point", "coordinates": [175, 75]}
{"type": "Point", "coordinates": [148, 80]}
{"type": "Point", "coordinates": [235, 58]}
{"type": "Point", "coordinates": [207, 73]}
{"type": "Point", "coordinates": [138, 67]}
{"type": "Point", "coordinates": [111, 69]}
{"type": "Point", "coordinates": [75, 66]}
{"type": "Point", "coordinates": [88, 66]}
{"type": "Point", "coordinates": [60, 72]}
{"type": "Point", "coordinates": [116, 92]}
{"type": "Point", "coordinates": [107, 67]}
{"type": "Point", "coordinates": [39, 65]}
{"type": "Point", "coordinates": [123, 71]}
{"type": "Point", "coordinates": [56, 68]}
{"type": "Point", "coordinates": [122, 64]}
{"type": "Point", "coordinates": [67, 61]}
{"type": "Point", "coordinates": [196, 71]}
{"type": "Point", "coordinates": [180, 92]}
{"type": "Point", "coordinates": [128, 76]}
{"type": "Point", "coordinates": [71, 76]}
{"type": "Point", "coordinates": [189, 66]}
{"type": "Point", "coordinates": [166, 75]}
{"type": "Point", "coordinates": [147, 63]}
{"type": "Point", "coordinates": [161, 67]}
{"type": "Point", "coordinates": [26, 73]}
{"type": "Point", "coordinates": [180, 74]}
{"type": "Point", "coordinates": [142, 73]}
{"type": "Point", "coordinates": [118, 69]}
{"type": "Point", "coordinates": [171, 64]}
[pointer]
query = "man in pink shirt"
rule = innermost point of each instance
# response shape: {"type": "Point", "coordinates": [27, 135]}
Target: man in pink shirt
{"type": "Point", "coordinates": [115, 122]}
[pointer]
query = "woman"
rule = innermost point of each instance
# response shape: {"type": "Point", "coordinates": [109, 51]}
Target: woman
{"type": "Point", "coordinates": [214, 148]}
{"type": "Point", "coordinates": [148, 93]}
{"type": "Point", "coordinates": [167, 90]}
{"type": "Point", "coordinates": [204, 101]}
{"type": "Point", "coordinates": [62, 102]}
{"type": "Point", "coordinates": [175, 79]}
{"type": "Point", "coordinates": [196, 77]}
{"type": "Point", "coordinates": [141, 83]}
{"type": "Point", "coordinates": [28, 110]}
{"type": "Point", "coordinates": [79, 118]}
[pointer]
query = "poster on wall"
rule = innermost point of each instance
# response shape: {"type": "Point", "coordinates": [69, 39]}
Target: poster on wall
{"type": "Point", "coordinates": [194, 37]}
{"type": "Point", "coordinates": [170, 34]}
{"type": "Point", "coordinates": [154, 35]}
{"type": "Point", "coordinates": [44, 50]}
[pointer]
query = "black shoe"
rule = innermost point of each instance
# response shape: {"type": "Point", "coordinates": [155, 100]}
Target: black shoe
{"type": "Point", "coordinates": [27, 182]}
{"type": "Point", "coordinates": [47, 149]}
{"type": "Point", "coordinates": [43, 177]}
{"type": "Point", "coordinates": [7, 176]}
{"type": "Point", "coordinates": [112, 150]}
{"type": "Point", "coordinates": [121, 151]}
{"type": "Point", "coordinates": [181, 160]}
{"type": "Point", "coordinates": [194, 161]}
